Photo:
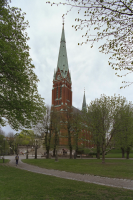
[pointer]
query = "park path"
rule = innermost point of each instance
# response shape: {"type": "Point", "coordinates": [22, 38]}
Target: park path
{"type": "Point", "coordinates": [112, 182]}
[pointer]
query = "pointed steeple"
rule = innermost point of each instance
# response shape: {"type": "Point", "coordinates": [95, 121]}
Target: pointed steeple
{"type": "Point", "coordinates": [62, 58]}
{"type": "Point", "coordinates": [54, 75]}
{"type": "Point", "coordinates": [62, 85]}
{"type": "Point", "coordinates": [84, 102]}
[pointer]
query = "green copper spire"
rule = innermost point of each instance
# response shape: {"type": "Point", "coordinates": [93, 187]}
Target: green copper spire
{"type": "Point", "coordinates": [62, 58]}
{"type": "Point", "coordinates": [84, 102]}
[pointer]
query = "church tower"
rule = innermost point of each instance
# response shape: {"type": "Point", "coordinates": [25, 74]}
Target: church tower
{"type": "Point", "coordinates": [62, 85]}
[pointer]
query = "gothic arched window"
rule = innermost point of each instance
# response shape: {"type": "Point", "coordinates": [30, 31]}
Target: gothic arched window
{"type": "Point", "coordinates": [57, 92]}
{"type": "Point", "coordinates": [60, 91]}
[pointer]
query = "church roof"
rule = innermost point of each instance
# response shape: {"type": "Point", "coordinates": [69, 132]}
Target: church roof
{"type": "Point", "coordinates": [62, 58]}
{"type": "Point", "coordinates": [76, 110]}
{"type": "Point", "coordinates": [84, 102]}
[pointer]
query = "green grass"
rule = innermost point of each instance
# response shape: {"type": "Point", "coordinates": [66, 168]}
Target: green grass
{"type": "Point", "coordinates": [117, 155]}
{"type": "Point", "coordinates": [114, 153]}
{"type": "Point", "coordinates": [5, 161]}
{"type": "Point", "coordinates": [119, 151]}
{"type": "Point", "coordinates": [113, 168]}
{"type": "Point", "coordinates": [16, 184]}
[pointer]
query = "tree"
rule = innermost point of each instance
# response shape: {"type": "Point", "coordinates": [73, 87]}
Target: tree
{"type": "Point", "coordinates": [20, 103]}
{"type": "Point", "coordinates": [45, 129]}
{"type": "Point", "coordinates": [67, 126]}
{"type": "Point", "coordinates": [11, 141]}
{"type": "Point", "coordinates": [110, 20]}
{"type": "Point", "coordinates": [26, 138]}
{"type": "Point", "coordinates": [123, 128]}
{"type": "Point", "coordinates": [2, 133]}
{"type": "Point", "coordinates": [78, 126]}
{"type": "Point", "coordinates": [56, 125]}
{"type": "Point", "coordinates": [3, 143]}
{"type": "Point", "coordinates": [101, 114]}
{"type": "Point", "coordinates": [72, 127]}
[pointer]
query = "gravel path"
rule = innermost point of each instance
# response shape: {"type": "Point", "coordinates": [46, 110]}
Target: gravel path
{"type": "Point", "coordinates": [112, 182]}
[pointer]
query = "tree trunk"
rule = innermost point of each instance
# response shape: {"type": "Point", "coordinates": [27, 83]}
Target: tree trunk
{"type": "Point", "coordinates": [98, 155]}
{"type": "Point", "coordinates": [128, 151]}
{"type": "Point", "coordinates": [55, 144]}
{"type": "Point", "coordinates": [98, 151]}
{"type": "Point", "coordinates": [71, 152]}
{"type": "Point", "coordinates": [35, 152]}
{"type": "Point", "coordinates": [47, 153]}
{"type": "Point", "coordinates": [70, 144]}
{"type": "Point", "coordinates": [27, 153]}
{"type": "Point", "coordinates": [103, 154]}
{"type": "Point", "coordinates": [75, 155]}
{"type": "Point", "coordinates": [56, 156]}
{"type": "Point", "coordinates": [54, 152]}
{"type": "Point", "coordinates": [103, 157]}
{"type": "Point", "coordinates": [123, 152]}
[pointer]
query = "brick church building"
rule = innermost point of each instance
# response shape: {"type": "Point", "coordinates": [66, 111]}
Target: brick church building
{"type": "Point", "coordinates": [62, 86]}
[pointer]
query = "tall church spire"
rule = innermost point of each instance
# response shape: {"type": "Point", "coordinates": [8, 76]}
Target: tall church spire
{"type": "Point", "coordinates": [62, 58]}
{"type": "Point", "coordinates": [84, 102]}
{"type": "Point", "coordinates": [62, 84]}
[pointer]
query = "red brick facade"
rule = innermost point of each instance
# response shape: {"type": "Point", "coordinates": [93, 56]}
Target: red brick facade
{"type": "Point", "coordinates": [62, 91]}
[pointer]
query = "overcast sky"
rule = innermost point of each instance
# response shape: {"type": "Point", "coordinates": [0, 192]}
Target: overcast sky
{"type": "Point", "coordinates": [89, 68]}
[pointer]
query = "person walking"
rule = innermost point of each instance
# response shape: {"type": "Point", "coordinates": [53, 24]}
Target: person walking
{"type": "Point", "coordinates": [16, 158]}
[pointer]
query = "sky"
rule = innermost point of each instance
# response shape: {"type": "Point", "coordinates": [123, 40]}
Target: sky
{"type": "Point", "coordinates": [89, 68]}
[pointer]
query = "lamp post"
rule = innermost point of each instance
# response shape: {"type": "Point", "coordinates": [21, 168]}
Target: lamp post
{"type": "Point", "coordinates": [4, 149]}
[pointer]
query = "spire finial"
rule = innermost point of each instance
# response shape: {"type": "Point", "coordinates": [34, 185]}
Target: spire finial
{"type": "Point", "coordinates": [63, 20]}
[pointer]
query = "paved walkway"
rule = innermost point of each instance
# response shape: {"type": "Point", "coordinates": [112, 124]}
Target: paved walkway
{"type": "Point", "coordinates": [112, 182]}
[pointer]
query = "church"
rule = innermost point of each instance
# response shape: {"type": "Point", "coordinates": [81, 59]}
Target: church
{"type": "Point", "coordinates": [62, 83]}
{"type": "Point", "coordinates": [62, 89]}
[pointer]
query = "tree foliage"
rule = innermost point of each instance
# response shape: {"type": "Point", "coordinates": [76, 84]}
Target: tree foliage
{"type": "Point", "coordinates": [25, 137]}
{"type": "Point", "coordinates": [78, 125]}
{"type": "Point", "coordinates": [102, 117]}
{"type": "Point", "coordinates": [45, 129]}
{"type": "Point", "coordinates": [110, 20]}
{"type": "Point", "coordinates": [72, 126]}
{"type": "Point", "coordinates": [67, 126]}
{"type": "Point", "coordinates": [20, 103]}
{"type": "Point", "coordinates": [56, 126]}
{"type": "Point", "coordinates": [123, 128]}
{"type": "Point", "coordinates": [3, 143]}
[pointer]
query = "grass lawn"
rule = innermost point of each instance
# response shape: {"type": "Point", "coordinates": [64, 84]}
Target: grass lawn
{"type": "Point", "coordinates": [5, 161]}
{"type": "Point", "coordinates": [117, 155]}
{"type": "Point", "coordinates": [16, 184]}
{"type": "Point", "coordinates": [112, 168]}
